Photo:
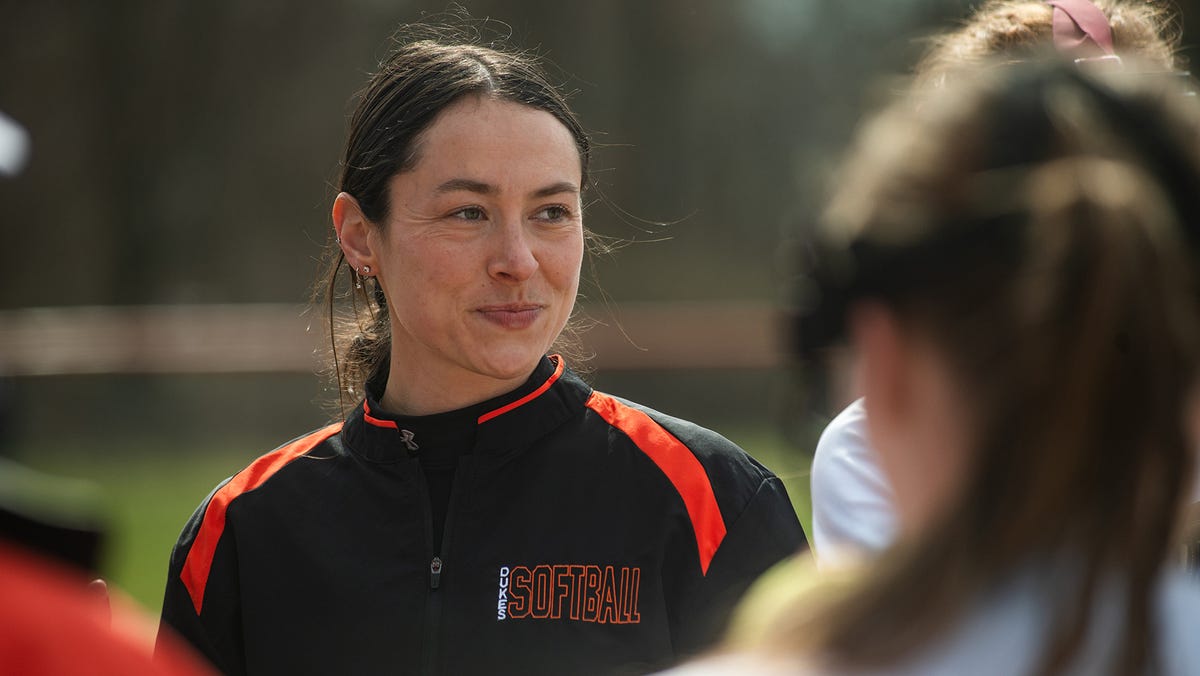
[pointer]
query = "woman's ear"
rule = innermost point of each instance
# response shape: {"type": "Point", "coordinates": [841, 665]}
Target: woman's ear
{"type": "Point", "coordinates": [917, 417]}
{"type": "Point", "coordinates": [882, 365]}
{"type": "Point", "coordinates": [353, 231]}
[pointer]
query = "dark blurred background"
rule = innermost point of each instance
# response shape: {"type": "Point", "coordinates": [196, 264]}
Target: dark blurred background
{"type": "Point", "coordinates": [163, 236]}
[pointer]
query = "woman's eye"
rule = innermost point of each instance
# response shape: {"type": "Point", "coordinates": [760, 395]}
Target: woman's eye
{"type": "Point", "coordinates": [470, 214]}
{"type": "Point", "coordinates": [553, 213]}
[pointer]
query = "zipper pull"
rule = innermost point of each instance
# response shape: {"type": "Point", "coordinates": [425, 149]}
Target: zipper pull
{"type": "Point", "coordinates": [435, 572]}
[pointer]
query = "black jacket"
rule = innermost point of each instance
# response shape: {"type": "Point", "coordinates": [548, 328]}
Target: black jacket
{"type": "Point", "coordinates": [585, 534]}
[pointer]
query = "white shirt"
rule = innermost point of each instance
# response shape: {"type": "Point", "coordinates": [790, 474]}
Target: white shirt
{"type": "Point", "coordinates": [853, 513]}
{"type": "Point", "coordinates": [852, 505]}
{"type": "Point", "coordinates": [1006, 633]}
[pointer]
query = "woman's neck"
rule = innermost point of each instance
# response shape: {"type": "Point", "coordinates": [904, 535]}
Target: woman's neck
{"type": "Point", "coordinates": [414, 392]}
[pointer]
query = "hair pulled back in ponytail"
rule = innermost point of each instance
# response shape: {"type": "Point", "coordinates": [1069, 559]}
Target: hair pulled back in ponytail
{"type": "Point", "coordinates": [1040, 227]}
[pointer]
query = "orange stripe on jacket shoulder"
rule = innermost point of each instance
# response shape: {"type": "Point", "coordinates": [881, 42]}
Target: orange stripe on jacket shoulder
{"type": "Point", "coordinates": [680, 465]}
{"type": "Point", "coordinates": [200, 556]}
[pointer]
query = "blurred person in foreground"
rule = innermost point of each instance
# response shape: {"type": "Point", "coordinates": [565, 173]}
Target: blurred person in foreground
{"type": "Point", "coordinates": [53, 622]}
{"type": "Point", "coordinates": [853, 507]}
{"type": "Point", "coordinates": [481, 509]}
{"type": "Point", "coordinates": [1015, 261]}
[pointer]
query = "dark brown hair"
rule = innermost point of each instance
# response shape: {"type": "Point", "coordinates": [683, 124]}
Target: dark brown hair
{"type": "Point", "coordinates": [1041, 228]}
{"type": "Point", "coordinates": [430, 68]}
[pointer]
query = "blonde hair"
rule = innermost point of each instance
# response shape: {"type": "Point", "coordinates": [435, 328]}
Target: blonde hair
{"type": "Point", "coordinates": [1038, 225]}
{"type": "Point", "coordinates": [1012, 30]}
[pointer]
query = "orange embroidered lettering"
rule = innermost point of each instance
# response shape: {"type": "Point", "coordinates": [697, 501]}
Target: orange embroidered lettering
{"type": "Point", "coordinates": [580, 593]}
{"type": "Point", "coordinates": [520, 592]}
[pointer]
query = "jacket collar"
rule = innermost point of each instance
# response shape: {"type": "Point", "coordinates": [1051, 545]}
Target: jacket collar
{"type": "Point", "coordinates": [509, 422]}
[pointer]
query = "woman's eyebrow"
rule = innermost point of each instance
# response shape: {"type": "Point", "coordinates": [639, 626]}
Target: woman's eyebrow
{"type": "Point", "coordinates": [479, 187]}
{"type": "Point", "coordinates": [466, 184]}
{"type": "Point", "coordinates": [556, 189]}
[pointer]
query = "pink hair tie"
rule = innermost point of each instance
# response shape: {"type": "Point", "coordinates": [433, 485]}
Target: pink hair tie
{"type": "Point", "coordinates": [1081, 29]}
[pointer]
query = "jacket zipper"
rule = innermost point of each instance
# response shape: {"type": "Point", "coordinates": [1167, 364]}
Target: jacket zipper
{"type": "Point", "coordinates": [433, 617]}
{"type": "Point", "coordinates": [432, 611]}
{"type": "Point", "coordinates": [435, 572]}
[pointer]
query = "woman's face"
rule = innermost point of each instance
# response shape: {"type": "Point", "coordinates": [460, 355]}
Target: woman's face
{"type": "Point", "coordinates": [480, 253]}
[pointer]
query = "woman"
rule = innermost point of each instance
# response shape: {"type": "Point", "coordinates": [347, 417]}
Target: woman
{"type": "Point", "coordinates": [853, 510]}
{"type": "Point", "coordinates": [1017, 265]}
{"type": "Point", "coordinates": [481, 509]}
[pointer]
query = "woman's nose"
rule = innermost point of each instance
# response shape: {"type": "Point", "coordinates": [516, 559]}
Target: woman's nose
{"type": "Point", "coordinates": [512, 258]}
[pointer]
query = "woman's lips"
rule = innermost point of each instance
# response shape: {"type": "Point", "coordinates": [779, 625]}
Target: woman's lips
{"type": "Point", "coordinates": [517, 316]}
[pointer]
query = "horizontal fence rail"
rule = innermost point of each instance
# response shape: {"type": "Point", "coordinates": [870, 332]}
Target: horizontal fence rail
{"type": "Point", "coordinates": [283, 338]}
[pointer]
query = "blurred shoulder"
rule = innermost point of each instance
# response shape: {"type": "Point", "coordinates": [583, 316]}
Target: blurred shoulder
{"type": "Point", "coordinates": [1179, 603]}
{"type": "Point", "coordinates": [739, 664]}
{"type": "Point", "coordinates": [51, 624]}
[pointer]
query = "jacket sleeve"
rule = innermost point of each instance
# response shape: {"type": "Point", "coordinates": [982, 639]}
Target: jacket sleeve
{"type": "Point", "coordinates": [766, 532]}
{"type": "Point", "coordinates": [852, 500]}
{"type": "Point", "coordinates": [202, 600]}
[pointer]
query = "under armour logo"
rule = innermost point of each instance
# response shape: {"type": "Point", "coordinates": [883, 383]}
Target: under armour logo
{"type": "Point", "coordinates": [407, 438]}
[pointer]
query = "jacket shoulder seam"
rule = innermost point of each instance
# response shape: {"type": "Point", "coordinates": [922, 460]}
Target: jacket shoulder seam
{"type": "Point", "coordinates": [197, 565]}
{"type": "Point", "coordinates": [680, 465]}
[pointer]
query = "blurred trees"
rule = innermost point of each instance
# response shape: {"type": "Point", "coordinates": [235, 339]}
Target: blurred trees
{"type": "Point", "coordinates": [184, 152]}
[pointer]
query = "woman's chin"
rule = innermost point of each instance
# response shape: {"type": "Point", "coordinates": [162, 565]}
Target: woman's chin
{"type": "Point", "coordinates": [510, 365]}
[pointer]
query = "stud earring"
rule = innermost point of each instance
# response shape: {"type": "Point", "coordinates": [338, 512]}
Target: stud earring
{"type": "Point", "coordinates": [365, 271]}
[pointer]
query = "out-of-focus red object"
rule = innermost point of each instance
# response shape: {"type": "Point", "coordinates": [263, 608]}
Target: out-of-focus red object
{"type": "Point", "coordinates": [50, 624]}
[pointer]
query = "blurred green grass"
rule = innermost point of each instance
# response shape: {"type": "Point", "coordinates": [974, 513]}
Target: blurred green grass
{"type": "Point", "coordinates": [150, 493]}
{"type": "Point", "coordinates": [148, 498]}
